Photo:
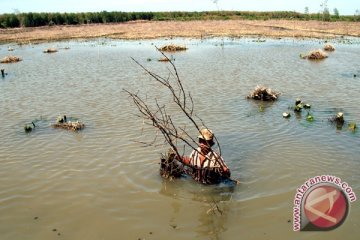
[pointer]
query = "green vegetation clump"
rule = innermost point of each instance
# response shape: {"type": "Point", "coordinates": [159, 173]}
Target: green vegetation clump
{"type": "Point", "coordinates": [30, 19]}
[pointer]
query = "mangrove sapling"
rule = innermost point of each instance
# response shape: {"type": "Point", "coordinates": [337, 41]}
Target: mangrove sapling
{"type": "Point", "coordinates": [309, 117]}
{"type": "Point", "coordinates": [29, 127]}
{"type": "Point", "coordinates": [352, 126]}
{"type": "Point", "coordinates": [156, 114]}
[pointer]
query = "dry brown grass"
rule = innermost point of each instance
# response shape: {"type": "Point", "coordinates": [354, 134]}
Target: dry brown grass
{"type": "Point", "coordinates": [329, 47]}
{"type": "Point", "coordinates": [10, 59]}
{"type": "Point", "coordinates": [50, 50]}
{"type": "Point", "coordinates": [172, 48]}
{"type": "Point", "coordinates": [264, 94]}
{"type": "Point", "coordinates": [316, 55]}
{"type": "Point", "coordinates": [73, 126]}
{"type": "Point", "coordinates": [193, 29]}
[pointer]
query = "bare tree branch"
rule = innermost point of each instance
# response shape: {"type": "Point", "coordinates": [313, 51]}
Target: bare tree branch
{"type": "Point", "coordinates": [161, 120]}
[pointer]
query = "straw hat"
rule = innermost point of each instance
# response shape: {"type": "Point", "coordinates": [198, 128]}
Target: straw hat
{"type": "Point", "coordinates": [206, 134]}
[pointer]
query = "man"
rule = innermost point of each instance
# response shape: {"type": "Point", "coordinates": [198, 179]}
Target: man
{"type": "Point", "coordinates": [206, 165]}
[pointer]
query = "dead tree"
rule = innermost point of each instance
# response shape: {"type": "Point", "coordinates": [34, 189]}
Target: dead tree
{"type": "Point", "coordinates": [156, 114]}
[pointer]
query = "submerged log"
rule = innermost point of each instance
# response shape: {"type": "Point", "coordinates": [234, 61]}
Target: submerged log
{"type": "Point", "coordinates": [264, 94]}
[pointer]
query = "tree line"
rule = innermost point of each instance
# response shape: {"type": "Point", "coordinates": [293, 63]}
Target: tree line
{"type": "Point", "coordinates": [14, 20]}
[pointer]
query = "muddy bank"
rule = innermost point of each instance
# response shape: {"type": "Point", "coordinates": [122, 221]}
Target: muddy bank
{"type": "Point", "coordinates": [192, 29]}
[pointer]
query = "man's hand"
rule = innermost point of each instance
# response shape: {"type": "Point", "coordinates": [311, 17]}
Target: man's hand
{"type": "Point", "coordinates": [226, 172]}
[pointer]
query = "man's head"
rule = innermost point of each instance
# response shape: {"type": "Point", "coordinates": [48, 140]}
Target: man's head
{"type": "Point", "coordinates": [206, 138]}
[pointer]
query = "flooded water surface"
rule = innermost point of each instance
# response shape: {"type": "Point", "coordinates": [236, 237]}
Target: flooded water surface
{"type": "Point", "coordinates": [100, 183]}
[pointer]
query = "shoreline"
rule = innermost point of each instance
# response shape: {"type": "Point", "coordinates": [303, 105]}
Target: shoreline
{"type": "Point", "coordinates": [140, 30]}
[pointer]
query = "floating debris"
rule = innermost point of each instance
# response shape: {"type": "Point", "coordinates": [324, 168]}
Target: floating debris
{"type": "Point", "coordinates": [173, 48]}
{"type": "Point", "coordinates": [169, 167]}
{"type": "Point", "coordinates": [298, 107]}
{"type": "Point", "coordinates": [264, 94]}
{"type": "Point", "coordinates": [286, 114]}
{"type": "Point", "coordinates": [50, 50]}
{"type": "Point", "coordinates": [10, 59]}
{"type": "Point", "coordinates": [63, 123]}
{"type": "Point", "coordinates": [61, 119]}
{"type": "Point", "coordinates": [29, 127]}
{"type": "Point", "coordinates": [315, 55]}
{"type": "Point", "coordinates": [259, 40]}
{"type": "Point", "coordinates": [73, 126]}
{"type": "Point", "coordinates": [10, 49]}
{"type": "Point", "coordinates": [329, 47]}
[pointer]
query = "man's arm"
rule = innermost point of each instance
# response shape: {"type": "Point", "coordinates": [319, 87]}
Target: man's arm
{"type": "Point", "coordinates": [185, 160]}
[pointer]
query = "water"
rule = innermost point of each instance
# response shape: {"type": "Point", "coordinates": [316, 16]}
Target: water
{"type": "Point", "coordinates": [101, 184]}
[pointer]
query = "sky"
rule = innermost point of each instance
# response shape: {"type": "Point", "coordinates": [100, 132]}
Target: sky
{"type": "Point", "coordinates": [345, 7]}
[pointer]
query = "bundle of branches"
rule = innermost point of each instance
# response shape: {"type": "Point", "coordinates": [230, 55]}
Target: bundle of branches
{"type": "Point", "coordinates": [329, 47]}
{"type": "Point", "coordinates": [157, 115]}
{"type": "Point", "coordinates": [263, 93]}
{"type": "Point", "coordinates": [315, 55]}
{"type": "Point", "coordinates": [169, 167]}
{"type": "Point", "coordinates": [10, 59]}
{"type": "Point", "coordinates": [50, 50]}
{"type": "Point", "coordinates": [172, 48]}
{"type": "Point", "coordinates": [73, 126]}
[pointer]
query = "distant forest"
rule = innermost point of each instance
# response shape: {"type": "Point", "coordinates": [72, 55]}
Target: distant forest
{"type": "Point", "coordinates": [30, 19]}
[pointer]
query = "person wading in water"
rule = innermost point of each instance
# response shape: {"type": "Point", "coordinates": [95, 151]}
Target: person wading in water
{"type": "Point", "coordinates": [206, 165]}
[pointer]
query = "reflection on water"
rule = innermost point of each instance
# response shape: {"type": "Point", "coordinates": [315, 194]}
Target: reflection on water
{"type": "Point", "coordinates": [212, 202]}
{"type": "Point", "coordinates": [100, 183]}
